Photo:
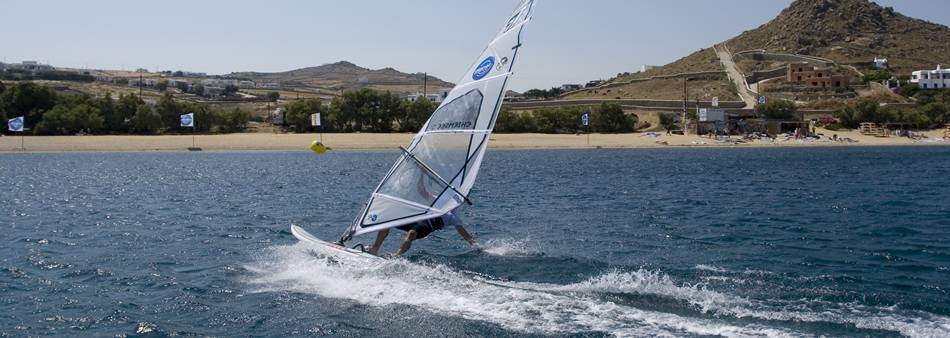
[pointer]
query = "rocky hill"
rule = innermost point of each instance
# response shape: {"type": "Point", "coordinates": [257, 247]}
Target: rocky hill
{"type": "Point", "coordinates": [851, 31]}
{"type": "Point", "coordinates": [846, 31]}
{"type": "Point", "coordinates": [344, 76]}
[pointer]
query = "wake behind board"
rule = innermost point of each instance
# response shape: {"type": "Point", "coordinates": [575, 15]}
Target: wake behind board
{"type": "Point", "coordinates": [330, 249]}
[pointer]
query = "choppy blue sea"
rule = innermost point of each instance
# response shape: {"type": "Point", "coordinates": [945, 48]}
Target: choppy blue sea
{"type": "Point", "coordinates": [682, 242]}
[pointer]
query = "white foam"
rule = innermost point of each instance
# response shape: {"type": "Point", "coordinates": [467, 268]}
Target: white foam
{"type": "Point", "coordinates": [511, 247]}
{"type": "Point", "coordinates": [525, 307]}
{"type": "Point", "coordinates": [570, 308]}
{"type": "Point", "coordinates": [710, 268]}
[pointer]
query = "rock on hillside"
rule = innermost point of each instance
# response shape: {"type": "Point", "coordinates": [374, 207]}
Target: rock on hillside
{"type": "Point", "coordinates": [851, 31]}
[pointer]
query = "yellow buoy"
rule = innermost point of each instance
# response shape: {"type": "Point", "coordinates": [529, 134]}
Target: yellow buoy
{"type": "Point", "coordinates": [318, 147]}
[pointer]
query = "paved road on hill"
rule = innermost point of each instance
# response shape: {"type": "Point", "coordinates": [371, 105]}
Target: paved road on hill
{"type": "Point", "coordinates": [725, 56]}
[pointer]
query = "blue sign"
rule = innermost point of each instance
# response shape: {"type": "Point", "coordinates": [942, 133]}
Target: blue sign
{"type": "Point", "coordinates": [187, 120]}
{"type": "Point", "coordinates": [762, 99]}
{"type": "Point", "coordinates": [585, 119]}
{"type": "Point", "coordinates": [483, 68]}
{"type": "Point", "coordinates": [15, 124]}
{"type": "Point", "coordinates": [374, 217]}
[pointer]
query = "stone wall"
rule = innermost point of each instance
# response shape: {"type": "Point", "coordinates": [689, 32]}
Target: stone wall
{"type": "Point", "coordinates": [760, 75]}
{"type": "Point", "coordinates": [632, 104]}
{"type": "Point", "coordinates": [759, 55]}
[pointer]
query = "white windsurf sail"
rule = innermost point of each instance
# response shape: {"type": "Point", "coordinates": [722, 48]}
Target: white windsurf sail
{"type": "Point", "coordinates": [436, 172]}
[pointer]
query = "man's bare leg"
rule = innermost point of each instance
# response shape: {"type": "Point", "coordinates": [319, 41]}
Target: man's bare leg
{"type": "Point", "coordinates": [380, 237]}
{"type": "Point", "coordinates": [406, 244]}
{"type": "Point", "coordinates": [465, 235]}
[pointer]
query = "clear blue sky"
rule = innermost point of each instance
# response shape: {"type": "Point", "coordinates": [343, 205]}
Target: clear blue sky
{"type": "Point", "coordinates": [568, 41]}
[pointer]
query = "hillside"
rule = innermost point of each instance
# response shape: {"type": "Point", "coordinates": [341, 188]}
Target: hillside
{"type": "Point", "coordinates": [345, 75]}
{"type": "Point", "coordinates": [851, 31]}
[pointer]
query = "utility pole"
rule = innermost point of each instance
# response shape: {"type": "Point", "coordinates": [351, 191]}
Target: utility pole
{"type": "Point", "coordinates": [685, 97]}
{"type": "Point", "coordinates": [425, 84]}
{"type": "Point", "coordinates": [141, 83]}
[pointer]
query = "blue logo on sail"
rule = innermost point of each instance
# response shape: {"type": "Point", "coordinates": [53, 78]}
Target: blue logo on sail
{"type": "Point", "coordinates": [483, 68]}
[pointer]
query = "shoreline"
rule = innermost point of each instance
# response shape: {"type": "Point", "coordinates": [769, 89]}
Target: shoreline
{"type": "Point", "coordinates": [369, 142]}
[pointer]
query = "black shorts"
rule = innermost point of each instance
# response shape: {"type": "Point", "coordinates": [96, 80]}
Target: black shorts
{"type": "Point", "coordinates": [424, 228]}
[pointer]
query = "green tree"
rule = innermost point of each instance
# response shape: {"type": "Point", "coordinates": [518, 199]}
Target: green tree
{"type": "Point", "coordinates": [524, 123]}
{"type": "Point", "coordinates": [29, 100]}
{"type": "Point", "coordinates": [170, 111]}
{"type": "Point", "coordinates": [273, 96]}
{"type": "Point", "coordinates": [107, 108]}
{"type": "Point", "coordinates": [299, 111]}
{"type": "Point", "coordinates": [161, 85]}
{"type": "Point", "coordinates": [198, 89]}
{"type": "Point", "coordinates": [417, 113]}
{"type": "Point", "coordinates": [204, 116]}
{"type": "Point", "coordinates": [389, 108]}
{"type": "Point", "coordinates": [66, 120]}
{"type": "Point", "coordinates": [232, 120]}
{"type": "Point", "coordinates": [146, 120]}
{"type": "Point", "coordinates": [558, 119]}
{"type": "Point", "coordinates": [125, 110]}
{"type": "Point", "coordinates": [182, 86]}
{"type": "Point", "coordinates": [909, 89]}
{"type": "Point", "coordinates": [778, 110]}
{"type": "Point", "coordinates": [505, 120]}
{"type": "Point", "coordinates": [667, 120]}
{"type": "Point", "coordinates": [610, 118]}
{"type": "Point", "coordinates": [353, 108]}
{"type": "Point", "coordinates": [937, 113]}
{"type": "Point", "coordinates": [877, 75]}
{"type": "Point", "coordinates": [230, 90]}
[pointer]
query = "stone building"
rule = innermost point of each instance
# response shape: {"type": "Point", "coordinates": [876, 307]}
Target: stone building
{"type": "Point", "coordinates": [816, 76]}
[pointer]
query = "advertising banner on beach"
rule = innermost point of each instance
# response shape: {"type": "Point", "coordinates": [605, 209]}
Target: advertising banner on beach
{"type": "Point", "coordinates": [315, 120]}
{"type": "Point", "coordinates": [585, 119]}
{"type": "Point", "coordinates": [715, 102]}
{"type": "Point", "coordinates": [188, 120]}
{"type": "Point", "coordinates": [15, 124]}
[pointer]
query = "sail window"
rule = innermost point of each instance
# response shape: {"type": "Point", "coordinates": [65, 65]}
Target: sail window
{"type": "Point", "coordinates": [460, 114]}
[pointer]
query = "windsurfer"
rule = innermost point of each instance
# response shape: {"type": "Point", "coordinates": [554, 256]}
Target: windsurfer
{"type": "Point", "coordinates": [420, 230]}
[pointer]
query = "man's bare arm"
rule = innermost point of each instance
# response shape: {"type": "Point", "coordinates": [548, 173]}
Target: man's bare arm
{"type": "Point", "coordinates": [407, 243]}
{"type": "Point", "coordinates": [465, 235]}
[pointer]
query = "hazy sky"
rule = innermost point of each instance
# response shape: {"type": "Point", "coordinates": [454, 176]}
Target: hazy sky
{"type": "Point", "coordinates": [567, 42]}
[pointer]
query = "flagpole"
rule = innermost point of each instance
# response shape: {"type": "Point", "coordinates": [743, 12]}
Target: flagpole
{"type": "Point", "coordinates": [22, 141]}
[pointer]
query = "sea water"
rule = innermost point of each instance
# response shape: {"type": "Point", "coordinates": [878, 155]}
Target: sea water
{"type": "Point", "coordinates": [652, 242]}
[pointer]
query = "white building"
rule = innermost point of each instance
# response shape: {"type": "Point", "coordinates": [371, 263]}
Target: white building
{"type": "Point", "coordinates": [570, 87]}
{"type": "Point", "coordinates": [30, 66]}
{"type": "Point", "coordinates": [220, 82]}
{"type": "Point", "coordinates": [931, 79]}
{"type": "Point", "coordinates": [434, 98]}
{"type": "Point", "coordinates": [277, 117]}
{"type": "Point", "coordinates": [880, 63]}
{"type": "Point", "coordinates": [648, 67]}
{"type": "Point", "coordinates": [90, 72]}
{"type": "Point", "coordinates": [246, 84]}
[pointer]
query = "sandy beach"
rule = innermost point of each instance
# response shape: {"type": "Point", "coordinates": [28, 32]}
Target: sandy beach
{"type": "Point", "coordinates": [301, 142]}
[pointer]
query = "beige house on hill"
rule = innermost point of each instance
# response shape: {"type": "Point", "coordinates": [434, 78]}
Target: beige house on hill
{"type": "Point", "coordinates": [815, 76]}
